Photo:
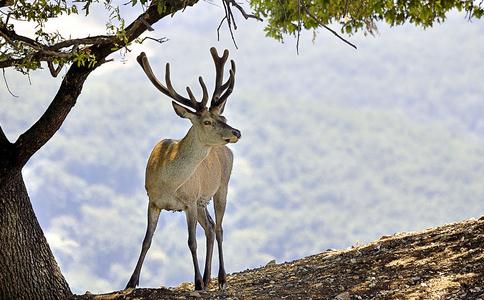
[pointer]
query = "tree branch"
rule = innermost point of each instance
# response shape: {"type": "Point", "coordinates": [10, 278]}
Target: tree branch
{"type": "Point", "coordinates": [158, 40]}
{"type": "Point", "coordinates": [229, 17]}
{"type": "Point", "coordinates": [6, 84]}
{"type": "Point", "coordinates": [53, 70]}
{"type": "Point", "coordinates": [99, 40]}
{"type": "Point", "coordinates": [45, 52]}
{"type": "Point", "coordinates": [11, 35]}
{"type": "Point", "coordinates": [36, 136]}
{"type": "Point", "coordinates": [4, 3]}
{"type": "Point", "coordinates": [3, 138]}
{"type": "Point", "coordinates": [242, 11]}
{"type": "Point", "coordinates": [326, 27]}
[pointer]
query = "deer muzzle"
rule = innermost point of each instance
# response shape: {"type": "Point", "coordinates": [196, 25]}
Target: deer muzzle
{"type": "Point", "coordinates": [235, 137]}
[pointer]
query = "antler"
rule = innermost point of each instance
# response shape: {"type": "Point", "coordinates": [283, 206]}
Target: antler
{"type": "Point", "coordinates": [169, 90]}
{"type": "Point", "coordinates": [219, 99]}
{"type": "Point", "coordinates": [220, 94]}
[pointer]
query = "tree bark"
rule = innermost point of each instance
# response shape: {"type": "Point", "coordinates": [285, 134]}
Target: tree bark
{"type": "Point", "coordinates": [28, 268]}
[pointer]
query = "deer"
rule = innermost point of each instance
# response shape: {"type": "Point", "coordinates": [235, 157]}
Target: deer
{"type": "Point", "coordinates": [184, 175]}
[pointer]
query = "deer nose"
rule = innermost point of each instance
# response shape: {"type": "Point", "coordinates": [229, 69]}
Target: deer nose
{"type": "Point", "coordinates": [236, 133]}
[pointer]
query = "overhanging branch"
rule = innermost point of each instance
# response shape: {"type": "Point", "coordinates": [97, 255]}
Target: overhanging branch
{"type": "Point", "coordinates": [229, 17]}
{"type": "Point", "coordinates": [312, 16]}
{"type": "Point", "coordinates": [63, 50]}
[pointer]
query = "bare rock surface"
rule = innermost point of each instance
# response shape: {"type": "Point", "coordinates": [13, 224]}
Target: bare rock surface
{"type": "Point", "coordinates": [445, 262]}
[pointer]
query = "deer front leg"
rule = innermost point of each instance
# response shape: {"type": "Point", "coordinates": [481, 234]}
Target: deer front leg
{"type": "Point", "coordinates": [208, 225]}
{"type": "Point", "coordinates": [191, 214]}
{"type": "Point", "coordinates": [219, 201]}
{"type": "Point", "coordinates": [153, 215]}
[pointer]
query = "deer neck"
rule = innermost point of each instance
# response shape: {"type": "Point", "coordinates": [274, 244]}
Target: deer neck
{"type": "Point", "coordinates": [191, 148]}
{"type": "Point", "coordinates": [191, 152]}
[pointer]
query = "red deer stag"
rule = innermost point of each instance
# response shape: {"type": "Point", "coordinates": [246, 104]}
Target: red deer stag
{"type": "Point", "coordinates": [183, 175]}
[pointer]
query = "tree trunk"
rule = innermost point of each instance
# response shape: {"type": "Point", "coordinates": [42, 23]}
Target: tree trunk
{"type": "Point", "coordinates": [29, 270]}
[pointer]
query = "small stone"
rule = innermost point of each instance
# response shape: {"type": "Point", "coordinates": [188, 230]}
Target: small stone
{"type": "Point", "coordinates": [272, 282]}
{"type": "Point", "coordinates": [195, 294]}
{"type": "Point", "coordinates": [343, 296]}
{"type": "Point", "coordinates": [318, 285]}
{"type": "Point", "coordinates": [271, 263]}
{"type": "Point", "coordinates": [353, 261]}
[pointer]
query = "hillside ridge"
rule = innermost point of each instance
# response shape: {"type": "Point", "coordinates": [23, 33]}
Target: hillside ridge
{"type": "Point", "coordinates": [445, 262]}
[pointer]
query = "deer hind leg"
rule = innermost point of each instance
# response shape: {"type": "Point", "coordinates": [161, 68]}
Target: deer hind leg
{"type": "Point", "coordinates": [153, 215]}
{"type": "Point", "coordinates": [208, 225]}
{"type": "Point", "coordinates": [219, 201]}
{"type": "Point", "coordinates": [191, 214]}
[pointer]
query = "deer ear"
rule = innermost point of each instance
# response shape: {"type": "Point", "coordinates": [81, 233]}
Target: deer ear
{"type": "Point", "coordinates": [182, 111]}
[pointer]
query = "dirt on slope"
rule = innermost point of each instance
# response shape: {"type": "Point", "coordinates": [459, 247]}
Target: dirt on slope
{"type": "Point", "coordinates": [445, 262]}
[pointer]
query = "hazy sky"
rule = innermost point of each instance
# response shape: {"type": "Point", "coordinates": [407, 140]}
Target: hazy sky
{"type": "Point", "coordinates": [339, 146]}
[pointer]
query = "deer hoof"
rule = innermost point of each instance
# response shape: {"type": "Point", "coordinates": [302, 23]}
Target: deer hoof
{"type": "Point", "coordinates": [222, 280]}
{"type": "Point", "coordinates": [222, 286]}
{"type": "Point", "coordinates": [198, 285]}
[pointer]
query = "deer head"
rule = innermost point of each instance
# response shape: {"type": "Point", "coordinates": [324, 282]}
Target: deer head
{"type": "Point", "coordinates": [211, 127]}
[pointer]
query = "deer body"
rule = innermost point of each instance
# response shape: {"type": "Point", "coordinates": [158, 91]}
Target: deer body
{"type": "Point", "coordinates": [192, 173]}
{"type": "Point", "coordinates": [184, 175]}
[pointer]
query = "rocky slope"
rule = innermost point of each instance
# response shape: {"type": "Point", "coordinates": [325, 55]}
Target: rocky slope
{"type": "Point", "coordinates": [445, 262]}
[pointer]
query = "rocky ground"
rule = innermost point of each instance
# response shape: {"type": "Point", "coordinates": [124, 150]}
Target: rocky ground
{"type": "Point", "coordinates": [446, 262]}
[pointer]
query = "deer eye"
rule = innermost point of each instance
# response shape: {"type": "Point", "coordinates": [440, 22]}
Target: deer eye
{"type": "Point", "coordinates": [207, 122]}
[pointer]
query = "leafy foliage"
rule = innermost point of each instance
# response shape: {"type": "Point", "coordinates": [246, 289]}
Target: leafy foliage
{"type": "Point", "coordinates": [283, 17]}
{"type": "Point", "coordinates": [26, 53]}
{"type": "Point", "coordinates": [291, 16]}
